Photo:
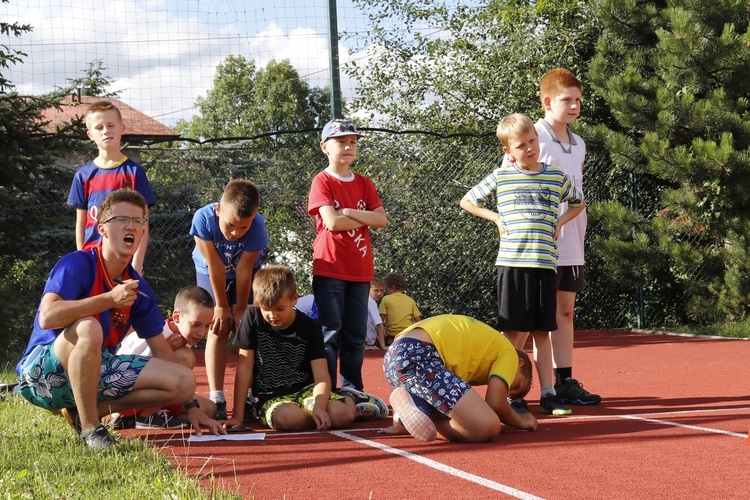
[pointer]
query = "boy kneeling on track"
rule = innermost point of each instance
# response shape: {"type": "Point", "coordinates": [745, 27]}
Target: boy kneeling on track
{"type": "Point", "coordinates": [433, 364]}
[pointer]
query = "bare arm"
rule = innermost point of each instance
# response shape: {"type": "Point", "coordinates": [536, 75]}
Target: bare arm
{"type": "Point", "coordinates": [217, 276]}
{"type": "Point", "coordinates": [497, 398]}
{"type": "Point", "coordinates": [56, 312]}
{"type": "Point", "coordinates": [244, 274]}
{"type": "Point", "coordinates": [161, 349]}
{"type": "Point", "coordinates": [483, 213]}
{"type": "Point", "coordinates": [321, 393]}
{"type": "Point", "coordinates": [348, 219]}
{"type": "Point", "coordinates": [140, 253]}
{"type": "Point", "coordinates": [243, 380]}
{"type": "Point", "coordinates": [567, 216]}
{"type": "Point", "coordinates": [81, 215]}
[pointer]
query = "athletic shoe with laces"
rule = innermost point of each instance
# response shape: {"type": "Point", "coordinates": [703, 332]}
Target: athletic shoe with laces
{"type": "Point", "coordinates": [221, 411]}
{"type": "Point", "coordinates": [519, 405]}
{"type": "Point", "coordinates": [98, 438]}
{"type": "Point", "coordinates": [552, 405]}
{"type": "Point", "coordinates": [405, 412]}
{"type": "Point", "coordinates": [571, 391]}
{"type": "Point", "coordinates": [159, 420]}
{"type": "Point", "coordinates": [369, 406]}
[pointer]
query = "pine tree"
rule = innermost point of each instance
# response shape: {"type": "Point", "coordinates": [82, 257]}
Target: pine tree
{"type": "Point", "coordinates": [675, 76]}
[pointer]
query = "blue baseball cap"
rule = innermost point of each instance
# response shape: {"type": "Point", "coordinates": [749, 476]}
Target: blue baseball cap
{"type": "Point", "coordinates": [337, 128]}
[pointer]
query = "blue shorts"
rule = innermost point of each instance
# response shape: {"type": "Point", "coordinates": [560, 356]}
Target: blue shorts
{"type": "Point", "coordinates": [44, 383]}
{"type": "Point", "coordinates": [417, 367]}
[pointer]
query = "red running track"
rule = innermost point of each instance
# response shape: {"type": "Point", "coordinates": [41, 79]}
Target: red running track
{"type": "Point", "coordinates": [673, 424]}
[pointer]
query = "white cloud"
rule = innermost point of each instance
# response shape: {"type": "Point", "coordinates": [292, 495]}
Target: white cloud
{"type": "Point", "coordinates": [163, 54]}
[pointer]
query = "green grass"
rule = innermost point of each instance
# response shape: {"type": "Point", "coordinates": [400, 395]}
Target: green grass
{"type": "Point", "coordinates": [41, 457]}
{"type": "Point", "coordinates": [733, 330]}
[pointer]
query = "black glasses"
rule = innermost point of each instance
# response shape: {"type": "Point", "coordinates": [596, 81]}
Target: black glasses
{"type": "Point", "coordinates": [124, 219]}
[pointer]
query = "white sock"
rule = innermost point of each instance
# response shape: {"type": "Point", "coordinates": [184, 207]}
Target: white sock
{"type": "Point", "coordinates": [548, 390]}
{"type": "Point", "coordinates": [217, 397]}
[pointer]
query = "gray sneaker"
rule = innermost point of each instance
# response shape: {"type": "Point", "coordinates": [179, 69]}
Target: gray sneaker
{"type": "Point", "coordinates": [551, 404]}
{"type": "Point", "coordinates": [98, 438]}
{"type": "Point", "coordinates": [519, 405]}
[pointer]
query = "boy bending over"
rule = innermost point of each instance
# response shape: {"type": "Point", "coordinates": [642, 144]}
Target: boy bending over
{"type": "Point", "coordinates": [433, 364]}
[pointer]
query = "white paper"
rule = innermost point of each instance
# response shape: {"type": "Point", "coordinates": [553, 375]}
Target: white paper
{"type": "Point", "coordinates": [246, 436]}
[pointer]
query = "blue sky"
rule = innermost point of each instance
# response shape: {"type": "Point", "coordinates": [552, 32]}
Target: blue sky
{"type": "Point", "coordinates": [162, 53]}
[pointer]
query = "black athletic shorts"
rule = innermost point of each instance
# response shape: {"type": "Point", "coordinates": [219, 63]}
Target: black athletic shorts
{"type": "Point", "coordinates": [526, 299]}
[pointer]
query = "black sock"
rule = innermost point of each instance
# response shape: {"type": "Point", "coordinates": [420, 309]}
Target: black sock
{"type": "Point", "coordinates": [563, 374]}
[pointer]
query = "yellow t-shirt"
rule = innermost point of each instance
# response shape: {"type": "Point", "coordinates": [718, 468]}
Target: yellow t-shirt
{"type": "Point", "coordinates": [399, 310]}
{"type": "Point", "coordinates": [471, 349]}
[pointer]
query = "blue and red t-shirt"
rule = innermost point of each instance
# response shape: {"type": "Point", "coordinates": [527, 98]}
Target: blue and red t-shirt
{"type": "Point", "coordinates": [82, 274]}
{"type": "Point", "coordinates": [92, 183]}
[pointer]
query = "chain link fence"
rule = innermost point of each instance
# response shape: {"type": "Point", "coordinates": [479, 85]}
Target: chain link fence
{"type": "Point", "coordinates": [446, 254]}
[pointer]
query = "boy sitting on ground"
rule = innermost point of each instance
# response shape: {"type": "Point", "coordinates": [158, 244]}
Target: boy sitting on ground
{"type": "Point", "coordinates": [282, 357]}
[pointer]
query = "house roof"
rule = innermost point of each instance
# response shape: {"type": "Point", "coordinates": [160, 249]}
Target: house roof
{"type": "Point", "coordinates": [139, 128]}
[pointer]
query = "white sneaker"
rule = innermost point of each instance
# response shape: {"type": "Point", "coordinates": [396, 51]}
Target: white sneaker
{"type": "Point", "coordinates": [419, 425]}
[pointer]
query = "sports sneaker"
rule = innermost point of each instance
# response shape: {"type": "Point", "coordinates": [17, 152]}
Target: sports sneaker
{"type": "Point", "coordinates": [418, 424]}
{"type": "Point", "coordinates": [159, 420]}
{"type": "Point", "coordinates": [251, 412]}
{"type": "Point", "coordinates": [519, 405]}
{"type": "Point", "coordinates": [221, 411]}
{"type": "Point", "coordinates": [572, 391]}
{"type": "Point", "coordinates": [120, 422]}
{"type": "Point", "coordinates": [98, 438]}
{"type": "Point", "coordinates": [552, 405]}
{"type": "Point", "coordinates": [369, 406]}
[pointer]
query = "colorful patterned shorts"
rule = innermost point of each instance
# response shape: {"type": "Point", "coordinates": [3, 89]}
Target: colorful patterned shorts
{"type": "Point", "coordinates": [301, 399]}
{"type": "Point", "coordinates": [417, 366]}
{"type": "Point", "coordinates": [44, 383]}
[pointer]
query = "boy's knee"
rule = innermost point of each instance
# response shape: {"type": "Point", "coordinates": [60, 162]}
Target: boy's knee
{"type": "Point", "coordinates": [185, 357]}
{"type": "Point", "coordinates": [341, 414]}
{"type": "Point", "coordinates": [486, 432]}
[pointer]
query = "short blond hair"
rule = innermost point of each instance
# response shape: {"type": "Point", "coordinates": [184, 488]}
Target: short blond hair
{"type": "Point", "coordinates": [273, 283]}
{"type": "Point", "coordinates": [100, 107]}
{"type": "Point", "coordinates": [512, 126]}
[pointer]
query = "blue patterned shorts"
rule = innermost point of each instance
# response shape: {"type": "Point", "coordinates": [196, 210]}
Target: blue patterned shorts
{"type": "Point", "coordinates": [417, 366]}
{"type": "Point", "coordinates": [44, 383]}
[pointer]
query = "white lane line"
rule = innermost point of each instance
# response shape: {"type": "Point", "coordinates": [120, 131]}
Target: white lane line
{"type": "Point", "coordinates": [441, 467]}
{"type": "Point", "coordinates": [683, 426]}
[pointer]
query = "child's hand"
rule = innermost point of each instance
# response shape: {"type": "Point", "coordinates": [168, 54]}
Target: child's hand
{"type": "Point", "coordinates": [222, 321]}
{"type": "Point", "coordinates": [233, 422]}
{"type": "Point", "coordinates": [321, 418]}
{"type": "Point", "coordinates": [529, 422]}
{"type": "Point", "coordinates": [176, 341]}
{"type": "Point", "coordinates": [501, 226]}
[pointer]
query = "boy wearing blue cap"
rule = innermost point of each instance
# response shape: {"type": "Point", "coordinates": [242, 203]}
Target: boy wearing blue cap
{"type": "Point", "coordinates": [345, 205]}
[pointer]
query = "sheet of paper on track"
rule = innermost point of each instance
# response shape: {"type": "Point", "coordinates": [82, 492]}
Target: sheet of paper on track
{"type": "Point", "coordinates": [250, 436]}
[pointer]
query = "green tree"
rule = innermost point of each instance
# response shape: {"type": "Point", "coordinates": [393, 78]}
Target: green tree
{"type": "Point", "coordinates": [28, 180]}
{"type": "Point", "coordinates": [248, 102]}
{"type": "Point", "coordinates": [94, 82]}
{"type": "Point", "coordinates": [454, 67]}
{"type": "Point", "coordinates": [675, 77]}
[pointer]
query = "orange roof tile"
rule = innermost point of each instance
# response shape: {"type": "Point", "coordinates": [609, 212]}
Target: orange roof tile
{"type": "Point", "coordinates": [138, 126]}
